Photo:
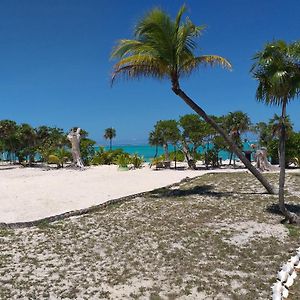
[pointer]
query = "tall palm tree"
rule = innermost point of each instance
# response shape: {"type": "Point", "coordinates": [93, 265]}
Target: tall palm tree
{"type": "Point", "coordinates": [109, 134]}
{"type": "Point", "coordinates": [277, 69]}
{"type": "Point", "coordinates": [164, 48]}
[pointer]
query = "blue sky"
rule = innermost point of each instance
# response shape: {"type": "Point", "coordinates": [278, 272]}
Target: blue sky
{"type": "Point", "coordinates": [55, 68]}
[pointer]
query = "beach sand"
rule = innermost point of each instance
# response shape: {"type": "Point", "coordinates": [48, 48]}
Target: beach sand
{"type": "Point", "coordinates": [29, 194]}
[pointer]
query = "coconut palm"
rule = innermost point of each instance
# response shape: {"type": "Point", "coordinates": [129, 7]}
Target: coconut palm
{"type": "Point", "coordinates": [167, 132]}
{"type": "Point", "coordinates": [155, 140]}
{"type": "Point", "coordinates": [164, 48]}
{"type": "Point", "coordinates": [275, 125]}
{"type": "Point", "coordinates": [237, 123]}
{"type": "Point", "coordinates": [109, 134]}
{"type": "Point", "coordinates": [277, 69]}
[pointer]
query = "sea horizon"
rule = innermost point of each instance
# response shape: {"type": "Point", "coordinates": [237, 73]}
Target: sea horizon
{"type": "Point", "coordinates": [148, 151]}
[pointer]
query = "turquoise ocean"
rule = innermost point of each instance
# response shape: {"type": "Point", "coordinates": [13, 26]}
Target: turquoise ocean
{"type": "Point", "coordinates": [148, 151]}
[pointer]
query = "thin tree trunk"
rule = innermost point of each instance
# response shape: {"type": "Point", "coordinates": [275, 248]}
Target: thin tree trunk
{"type": "Point", "coordinates": [156, 151]}
{"type": "Point", "coordinates": [175, 158]}
{"type": "Point", "coordinates": [230, 159]}
{"type": "Point", "coordinates": [291, 217]}
{"type": "Point", "coordinates": [234, 148]}
{"type": "Point", "coordinates": [188, 156]}
{"type": "Point", "coordinates": [167, 157]}
{"type": "Point", "coordinates": [110, 144]}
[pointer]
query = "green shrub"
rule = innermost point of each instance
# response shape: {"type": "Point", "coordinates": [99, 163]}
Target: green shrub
{"type": "Point", "coordinates": [211, 158]}
{"type": "Point", "coordinates": [102, 157]}
{"type": "Point", "coordinates": [157, 160]}
{"type": "Point", "coordinates": [179, 156]}
{"type": "Point", "coordinates": [292, 148]}
{"type": "Point", "coordinates": [60, 156]}
{"type": "Point", "coordinates": [136, 160]}
{"type": "Point", "coordinates": [123, 160]}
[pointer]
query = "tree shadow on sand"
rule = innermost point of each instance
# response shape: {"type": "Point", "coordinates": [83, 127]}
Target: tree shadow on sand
{"type": "Point", "coordinates": [207, 190]}
{"type": "Point", "coordinates": [274, 209]}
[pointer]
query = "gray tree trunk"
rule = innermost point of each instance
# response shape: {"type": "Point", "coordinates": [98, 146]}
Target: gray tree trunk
{"type": "Point", "coordinates": [234, 148]}
{"type": "Point", "coordinates": [291, 217]}
{"type": "Point", "coordinates": [189, 158]}
{"type": "Point", "coordinates": [74, 138]}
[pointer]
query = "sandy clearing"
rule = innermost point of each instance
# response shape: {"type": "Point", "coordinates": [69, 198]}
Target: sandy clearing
{"type": "Point", "coordinates": [29, 194]}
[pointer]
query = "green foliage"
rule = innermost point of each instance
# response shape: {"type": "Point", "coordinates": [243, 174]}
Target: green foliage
{"type": "Point", "coordinates": [292, 152]}
{"type": "Point", "coordinates": [235, 123]}
{"type": "Point", "coordinates": [136, 160]}
{"type": "Point", "coordinates": [276, 69]}
{"type": "Point", "coordinates": [179, 156]}
{"type": "Point", "coordinates": [211, 158]}
{"type": "Point", "coordinates": [193, 133]}
{"type": "Point", "coordinates": [157, 160]}
{"type": "Point", "coordinates": [60, 157]}
{"type": "Point", "coordinates": [220, 144]}
{"type": "Point", "coordinates": [123, 160]}
{"type": "Point", "coordinates": [194, 129]}
{"type": "Point", "coordinates": [87, 150]}
{"type": "Point", "coordinates": [167, 131]}
{"type": "Point", "coordinates": [102, 157]}
{"type": "Point", "coordinates": [48, 140]}
{"type": "Point", "coordinates": [109, 134]}
{"type": "Point", "coordinates": [162, 48]}
{"type": "Point", "coordinates": [26, 141]}
{"type": "Point", "coordinates": [53, 159]}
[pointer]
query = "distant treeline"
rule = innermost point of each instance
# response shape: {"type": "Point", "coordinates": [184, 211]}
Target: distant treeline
{"type": "Point", "coordinates": [190, 132]}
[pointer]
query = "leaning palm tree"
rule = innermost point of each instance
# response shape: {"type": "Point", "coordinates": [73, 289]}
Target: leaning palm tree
{"type": "Point", "coordinates": [109, 134]}
{"type": "Point", "coordinates": [164, 48]}
{"type": "Point", "coordinates": [277, 69]}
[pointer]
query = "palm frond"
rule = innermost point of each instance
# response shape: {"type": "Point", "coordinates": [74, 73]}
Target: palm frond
{"type": "Point", "coordinates": [204, 60]}
{"type": "Point", "coordinates": [137, 66]}
{"type": "Point", "coordinates": [162, 47]}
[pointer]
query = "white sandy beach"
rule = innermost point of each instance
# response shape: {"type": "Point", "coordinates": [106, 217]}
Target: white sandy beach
{"type": "Point", "coordinates": [29, 194]}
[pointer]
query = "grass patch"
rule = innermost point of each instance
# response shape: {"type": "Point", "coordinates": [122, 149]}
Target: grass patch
{"type": "Point", "coordinates": [294, 231]}
{"type": "Point", "coordinates": [212, 237]}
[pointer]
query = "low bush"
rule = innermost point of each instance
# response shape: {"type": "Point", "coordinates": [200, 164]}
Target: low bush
{"type": "Point", "coordinates": [123, 160]}
{"type": "Point", "coordinates": [137, 161]}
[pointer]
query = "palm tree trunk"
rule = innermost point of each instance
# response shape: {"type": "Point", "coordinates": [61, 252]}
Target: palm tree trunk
{"type": "Point", "coordinates": [156, 151]}
{"type": "Point", "coordinates": [230, 159]}
{"type": "Point", "coordinates": [291, 217]}
{"type": "Point", "coordinates": [234, 148]}
{"type": "Point", "coordinates": [167, 157]}
{"type": "Point", "coordinates": [110, 144]}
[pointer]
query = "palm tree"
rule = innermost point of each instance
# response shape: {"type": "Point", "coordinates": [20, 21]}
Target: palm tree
{"type": "Point", "coordinates": [237, 123]}
{"type": "Point", "coordinates": [164, 48]}
{"type": "Point", "coordinates": [277, 69]}
{"type": "Point", "coordinates": [165, 132]}
{"type": "Point", "coordinates": [155, 140]}
{"type": "Point", "coordinates": [275, 125]}
{"type": "Point", "coordinates": [109, 134]}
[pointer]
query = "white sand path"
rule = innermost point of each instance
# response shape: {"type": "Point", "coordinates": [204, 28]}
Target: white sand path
{"type": "Point", "coordinates": [29, 194]}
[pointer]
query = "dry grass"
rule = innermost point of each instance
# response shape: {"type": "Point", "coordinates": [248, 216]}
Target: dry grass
{"type": "Point", "coordinates": [216, 237]}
